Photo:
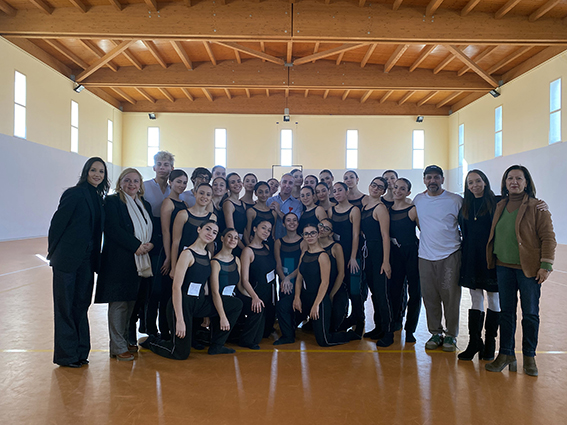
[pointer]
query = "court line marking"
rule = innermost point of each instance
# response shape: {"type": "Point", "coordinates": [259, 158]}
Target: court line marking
{"type": "Point", "coordinates": [283, 351]}
{"type": "Point", "coordinates": [23, 270]}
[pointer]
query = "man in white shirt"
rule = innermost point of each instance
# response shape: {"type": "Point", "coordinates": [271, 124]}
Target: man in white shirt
{"type": "Point", "coordinates": [283, 203]}
{"type": "Point", "coordinates": [439, 258]}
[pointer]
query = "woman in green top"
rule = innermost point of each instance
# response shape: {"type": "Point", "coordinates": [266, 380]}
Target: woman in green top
{"type": "Point", "coordinates": [522, 247]}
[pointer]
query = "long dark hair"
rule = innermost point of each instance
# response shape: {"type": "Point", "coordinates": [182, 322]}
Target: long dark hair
{"type": "Point", "coordinates": [104, 185]}
{"type": "Point", "coordinates": [488, 198]}
{"type": "Point", "coordinates": [530, 186]}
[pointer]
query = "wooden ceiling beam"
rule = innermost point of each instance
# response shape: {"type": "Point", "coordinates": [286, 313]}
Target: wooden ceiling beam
{"type": "Point", "coordinates": [386, 96]}
{"type": "Point", "coordinates": [427, 98]}
{"type": "Point", "coordinates": [237, 55]}
{"type": "Point", "coordinates": [543, 10]}
{"type": "Point", "coordinates": [478, 58]}
{"type": "Point", "coordinates": [207, 94]}
{"type": "Point", "coordinates": [145, 94]}
{"type": "Point", "coordinates": [207, 46]}
{"type": "Point", "coordinates": [247, 91]}
{"type": "Point", "coordinates": [7, 9]}
{"type": "Point", "coordinates": [117, 5]}
{"type": "Point", "coordinates": [432, 7]}
{"type": "Point", "coordinates": [306, 92]}
{"type": "Point", "coordinates": [99, 53]}
{"type": "Point", "coordinates": [267, 92]}
{"type": "Point", "coordinates": [130, 56]}
{"type": "Point", "coordinates": [99, 63]}
{"type": "Point", "coordinates": [395, 57]}
{"type": "Point", "coordinates": [314, 22]}
{"type": "Point", "coordinates": [318, 76]}
{"type": "Point", "coordinates": [427, 49]}
{"type": "Point", "coordinates": [182, 54]}
{"type": "Point", "coordinates": [239, 48]}
{"type": "Point", "coordinates": [326, 94]}
{"type": "Point", "coordinates": [469, 7]}
{"type": "Point", "coordinates": [43, 6]}
{"type": "Point", "coordinates": [263, 49]}
{"type": "Point", "coordinates": [186, 93]}
{"type": "Point", "coordinates": [56, 44]}
{"type": "Point", "coordinates": [472, 65]}
{"type": "Point", "coordinates": [312, 105]}
{"type": "Point", "coordinates": [42, 55]}
{"type": "Point", "coordinates": [289, 52]}
{"type": "Point", "coordinates": [405, 97]}
{"type": "Point", "coordinates": [153, 50]}
{"type": "Point", "coordinates": [125, 96]}
{"type": "Point", "coordinates": [152, 4]}
{"type": "Point", "coordinates": [448, 99]}
{"type": "Point", "coordinates": [80, 5]}
{"type": "Point", "coordinates": [327, 53]}
{"type": "Point", "coordinates": [228, 94]}
{"type": "Point", "coordinates": [368, 54]}
{"type": "Point", "coordinates": [106, 97]}
{"type": "Point", "coordinates": [448, 59]}
{"type": "Point", "coordinates": [365, 96]}
{"type": "Point", "coordinates": [506, 8]}
{"type": "Point", "coordinates": [345, 94]}
{"type": "Point", "coordinates": [532, 62]}
{"type": "Point", "coordinates": [316, 47]}
{"type": "Point", "coordinates": [397, 4]}
{"type": "Point", "coordinates": [340, 58]}
{"type": "Point", "coordinates": [167, 95]}
{"type": "Point", "coordinates": [505, 61]}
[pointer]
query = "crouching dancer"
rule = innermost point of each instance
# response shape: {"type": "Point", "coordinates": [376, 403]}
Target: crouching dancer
{"type": "Point", "coordinates": [191, 299]}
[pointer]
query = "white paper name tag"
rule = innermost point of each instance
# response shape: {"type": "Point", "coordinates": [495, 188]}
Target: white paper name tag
{"type": "Point", "coordinates": [241, 236]}
{"type": "Point", "coordinates": [285, 270]}
{"type": "Point", "coordinates": [271, 276]}
{"type": "Point", "coordinates": [228, 290]}
{"type": "Point", "coordinates": [194, 289]}
{"type": "Point", "coordinates": [337, 237]}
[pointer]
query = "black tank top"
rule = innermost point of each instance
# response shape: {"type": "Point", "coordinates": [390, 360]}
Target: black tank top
{"type": "Point", "coordinates": [177, 206]}
{"type": "Point", "coordinates": [199, 272]}
{"type": "Point", "coordinates": [369, 225]}
{"type": "Point", "coordinates": [311, 271]}
{"type": "Point", "coordinates": [189, 235]}
{"type": "Point", "coordinates": [308, 217]}
{"type": "Point", "coordinates": [334, 269]}
{"type": "Point", "coordinates": [343, 227]}
{"type": "Point", "coordinates": [264, 264]}
{"type": "Point", "coordinates": [264, 215]}
{"type": "Point", "coordinates": [402, 228]}
{"type": "Point", "coordinates": [387, 203]}
{"type": "Point", "coordinates": [247, 205]}
{"type": "Point", "coordinates": [290, 253]}
{"type": "Point", "coordinates": [239, 217]}
{"type": "Point", "coordinates": [228, 275]}
{"type": "Point", "coordinates": [357, 202]}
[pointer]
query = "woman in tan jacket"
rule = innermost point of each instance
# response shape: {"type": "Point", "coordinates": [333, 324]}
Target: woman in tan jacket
{"type": "Point", "coordinates": [521, 246]}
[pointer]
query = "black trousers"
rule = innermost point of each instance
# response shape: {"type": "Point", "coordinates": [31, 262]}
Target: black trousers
{"type": "Point", "coordinates": [180, 348]}
{"type": "Point", "coordinates": [252, 324]}
{"type": "Point", "coordinates": [385, 300]}
{"type": "Point", "coordinates": [72, 296]}
{"type": "Point", "coordinates": [158, 299]}
{"type": "Point", "coordinates": [288, 319]}
{"type": "Point", "coordinates": [405, 275]}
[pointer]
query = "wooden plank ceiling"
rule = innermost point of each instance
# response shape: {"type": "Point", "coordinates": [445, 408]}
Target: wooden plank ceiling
{"type": "Point", "coordinates": [400, 57]}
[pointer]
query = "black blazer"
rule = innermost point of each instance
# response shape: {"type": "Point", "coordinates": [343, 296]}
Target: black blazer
{"type": "Point", "coordinates": [118, 279]}
{"type": "Point", "coordinates": [71, 230]}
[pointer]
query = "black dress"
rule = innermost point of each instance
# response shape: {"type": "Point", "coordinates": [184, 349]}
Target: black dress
{"type": "Point", "coordinates": [475, 231]}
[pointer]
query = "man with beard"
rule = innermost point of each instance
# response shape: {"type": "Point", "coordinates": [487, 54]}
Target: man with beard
{"type": "Point", "coordinates": [439, 258]}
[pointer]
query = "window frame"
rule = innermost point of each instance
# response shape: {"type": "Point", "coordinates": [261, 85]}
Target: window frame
{"type": "Point", "coordinates": [351, 154]}
{"type": "Point", "coordinates": [19, 106]}
{"type": "Point", "coordinates": [416, 150]}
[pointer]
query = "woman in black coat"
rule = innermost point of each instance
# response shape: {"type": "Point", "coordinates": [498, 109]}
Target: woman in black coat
{"type": "Point", "coordinates": [74, 250]}
{"type": "Point", "coordinates": [125, 260]}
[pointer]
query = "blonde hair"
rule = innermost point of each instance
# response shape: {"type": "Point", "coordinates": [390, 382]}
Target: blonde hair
{"type": "Point", "coordinates": [164, 156]}
{"type": "Point", "coordinates": [123, 174]}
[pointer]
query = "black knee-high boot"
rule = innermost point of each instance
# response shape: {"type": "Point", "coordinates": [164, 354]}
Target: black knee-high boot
{"type": "Point", "coordinates": [491, 331]}
{"type": "Point", "coordinates": [476, 320]}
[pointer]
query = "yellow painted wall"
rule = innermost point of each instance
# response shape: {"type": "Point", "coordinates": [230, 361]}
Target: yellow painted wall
{"type": "Point", "coordinates": [48, 107]}
{"type": "Point", "coordinates": [253, 140]}
{"type": "Point", "coordinates": [525, 115]}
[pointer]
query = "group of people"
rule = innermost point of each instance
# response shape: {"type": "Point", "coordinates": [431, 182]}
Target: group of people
{"type": "Point", "coordinates": [207, 265]}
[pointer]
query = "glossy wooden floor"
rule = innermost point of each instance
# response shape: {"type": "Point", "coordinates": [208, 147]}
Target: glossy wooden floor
{"type": "Point", "coordinates": [300, 384]}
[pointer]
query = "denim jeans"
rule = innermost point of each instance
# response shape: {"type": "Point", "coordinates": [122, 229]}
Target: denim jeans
{"type": "Point", "coordinates": [510, 281]}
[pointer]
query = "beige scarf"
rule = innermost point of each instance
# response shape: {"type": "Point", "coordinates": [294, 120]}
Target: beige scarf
{"type": "Point", "coordinates": [143, 228]}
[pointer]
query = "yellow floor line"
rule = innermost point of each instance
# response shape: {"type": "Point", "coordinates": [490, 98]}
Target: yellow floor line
{"type": "Point", "coordinates": [287, 351]}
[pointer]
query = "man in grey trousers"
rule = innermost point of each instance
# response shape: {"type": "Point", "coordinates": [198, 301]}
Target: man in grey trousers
{"type": "Point", "coordinates": [439, 258]}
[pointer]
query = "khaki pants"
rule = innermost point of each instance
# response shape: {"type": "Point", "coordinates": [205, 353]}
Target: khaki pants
{"type": "Point", "coordinates": [441, 292]}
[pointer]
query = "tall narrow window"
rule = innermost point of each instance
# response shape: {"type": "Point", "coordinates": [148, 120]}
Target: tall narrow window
{"type": "Point", "coordinates": [20, 105]}
{"type": "Point", "coordinates": [418, 149]}
{"type": "Point", "coordinates": [498, 131]}
{"type": "Point", "coordinates": [220, 146]}
{"type": "Point", "coordinates": [153, 144]}
{"type": "Point", "coordinates": [74, 126]}
{"type": "Point", "coordinates": [462, 168]}
{"type": "Point", "coordinates": [352, 149]}
{"type": "Point", "coordinates": [286, 147]}
{"type": "Point", "coordinates": [555, 111]}
{"type": "Point", "coordinates": [110, 141]}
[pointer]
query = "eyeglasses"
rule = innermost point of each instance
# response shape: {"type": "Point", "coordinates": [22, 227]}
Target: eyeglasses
{"type": "Point", "coordinates": [203, 177]}
{"type": "Point", "coordinates": [323, 227]}
{"type": "Point", "coordinates": [309, 234]}
{"type": "Point", "coordinates": [377, 186]}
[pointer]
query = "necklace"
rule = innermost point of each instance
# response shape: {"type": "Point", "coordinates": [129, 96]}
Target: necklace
{"type": "Point", "coordinates": [475, 211]}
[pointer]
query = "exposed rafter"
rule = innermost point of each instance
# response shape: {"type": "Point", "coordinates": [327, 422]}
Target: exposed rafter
{"type": "Point", "coordinates": [43, 6]}
{"type": "Point", "coordinates": [207, 94]}
{"type": "Point", "coordinates": [368, 54]}
{"type": "Point", "coordinates": [130, 56]}
{"type": "Point", "coordinates": [152, 4]}
{"type": "Point", "coordinates": [505, 61]}
{"type": "Point", "coordinates": [145, 94]}
{"type": "Point", "coordinates": [117, 5]}
{"type": "Point", "coordinates": [506, 8]}
{"type": "Point", "coordinates": [427, 98]}
{"type": "Point", "coordinates": [7, 9]}
{"type": "Point", "coordinates": [405, 97]}
{"type": "Point", "coordinates": [186, 93]}
{"type": "Point", "coordinates": [386, 96]}
{"type": "Point", "coordinates": [153, 50]}
{"type": "Point", "coordinates": [469, 7]}
{"type": "Point", "coordinates": [167, 95]}
{"type": "Point", "coordinates": [121, 93]}
{"type": "Point", "coordinates": [427, 49]}
{"type": "Point", "coordinates": [95, 50]}
{"type": "Point", "coordinates": [345, 94]}
{"type": "Point", "coordinates": [395, 57]}
{"type": "Point", "coordinates": [327, 53]}
{"type": "Point", "coordinates": [543, 10]}
{"type": "Point", "coordinates": [472, 65]}
{"type": "Point", "coordinates": [56, 44]}
{"type": "Point", "coordinates": [228, 94]}
{"type": "Point", "coordinates": [397, 4]}
{"type": "Point", "coordinates": [80, 5]}
{"type": "Point", "coordinates": [239, 48]}
{"type": "Point", "coordinates": [207, 46]}
{"type": "Point", "coordinates": [104, 60]}
{"type": "Point", "coordinates": [448, 99]}
{"type": "Point", "coordinates": [289, 53]}
{"type": "Point", "coordinates": [478, 58]}
{"type": "Point", "coordinates": [365, 96]}
{"type": "Point", "coordinates": [340, 58]}
{"type": "Point", "coordinates": [182, 54]}
{"type": "Point", "coordinates": [432, 7]}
